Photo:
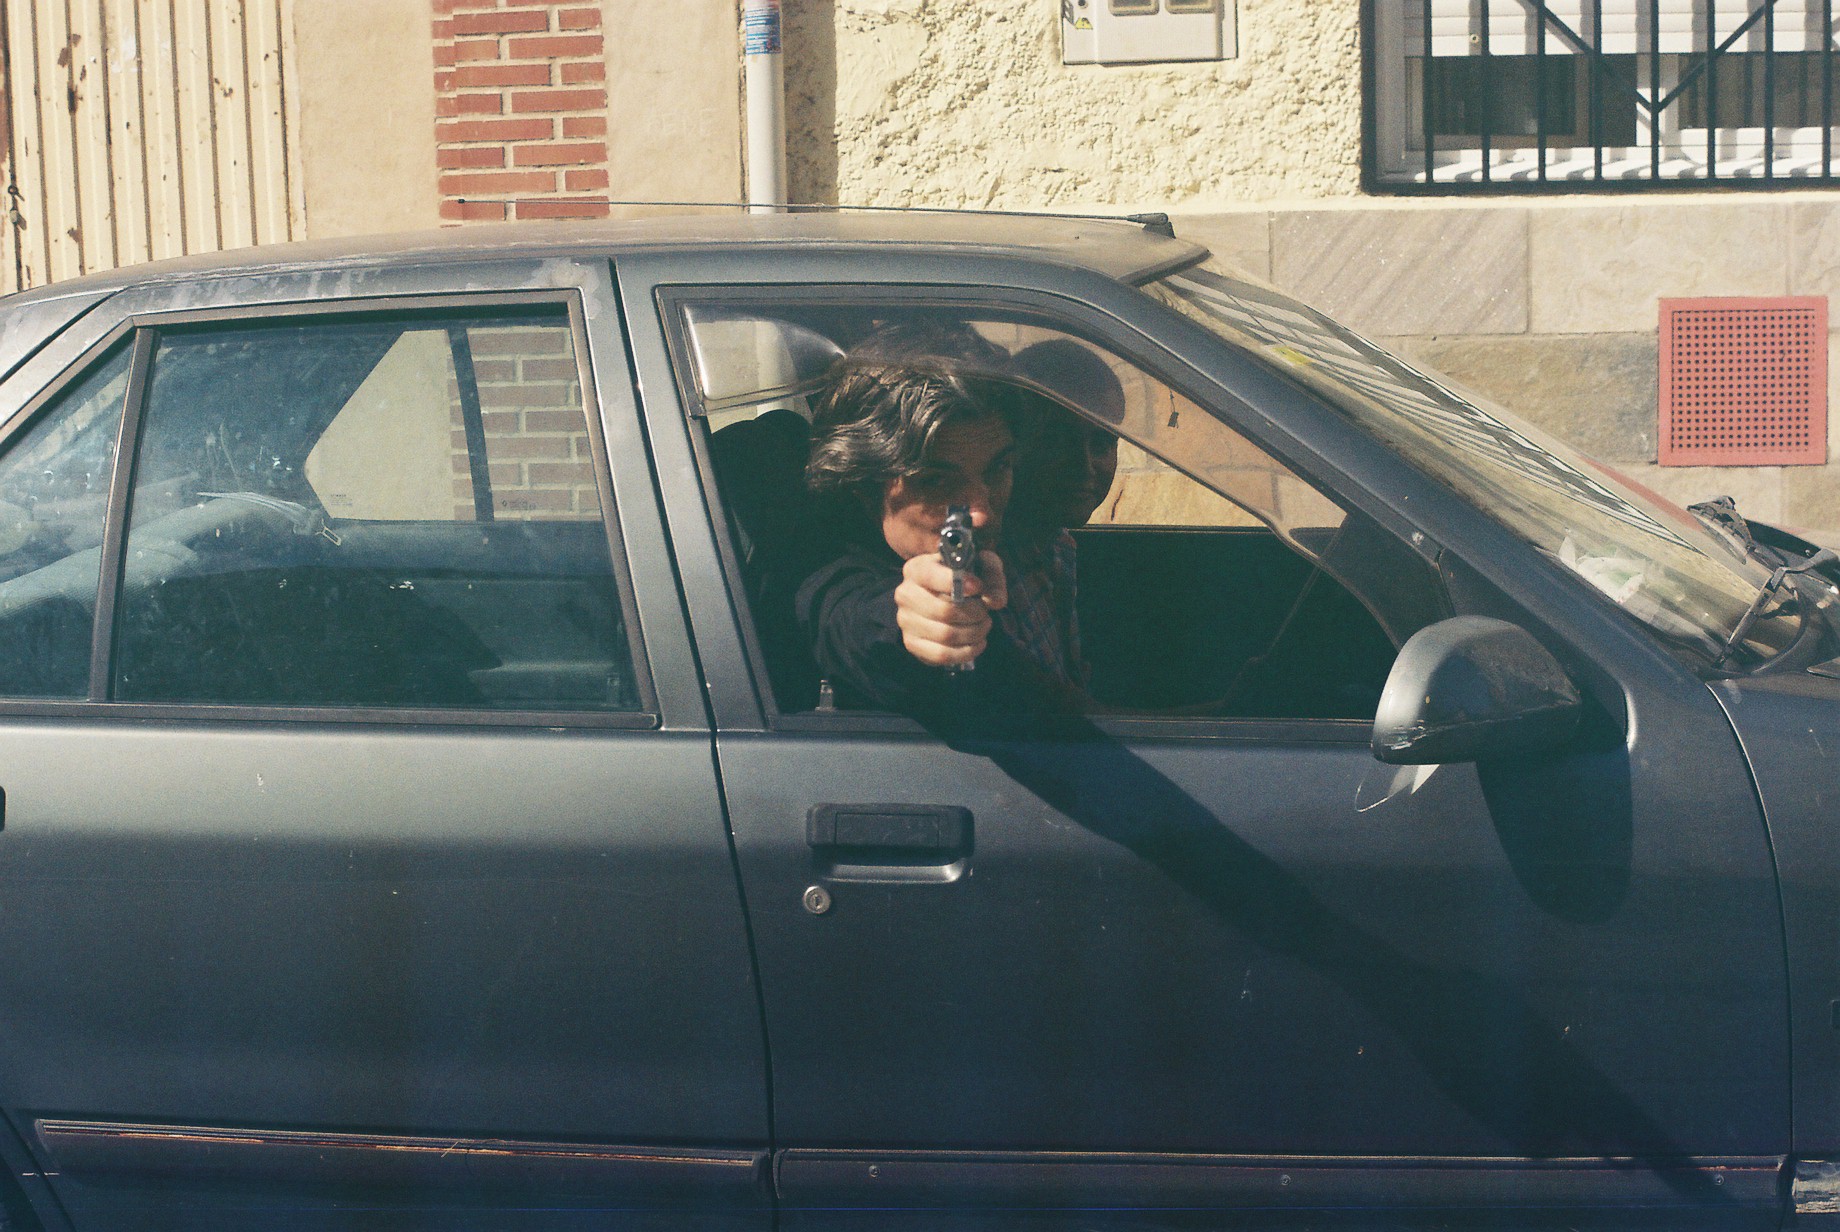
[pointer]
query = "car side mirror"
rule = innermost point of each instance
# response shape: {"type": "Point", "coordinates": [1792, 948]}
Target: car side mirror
{"type": "Point", "coordinates": [1471, 688]}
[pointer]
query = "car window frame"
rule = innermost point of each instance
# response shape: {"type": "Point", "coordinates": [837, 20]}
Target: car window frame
{"type": "Point", "coordinates": [671, 302]}
{"type": "Point", "coordinates": [140, 330]}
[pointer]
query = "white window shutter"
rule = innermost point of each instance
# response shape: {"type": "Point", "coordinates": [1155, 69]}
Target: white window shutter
{"type": "Point", "coordinates": [1627, 26]}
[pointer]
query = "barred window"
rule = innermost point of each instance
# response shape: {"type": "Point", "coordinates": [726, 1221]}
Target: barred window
{"type": "Point", "coordinates": [1491, 94]}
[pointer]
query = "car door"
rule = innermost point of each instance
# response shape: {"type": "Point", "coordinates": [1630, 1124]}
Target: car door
{"type": "Point", "coordinates": [366, 862]}
{"type": "Point", "coordinates": [1167, 967]}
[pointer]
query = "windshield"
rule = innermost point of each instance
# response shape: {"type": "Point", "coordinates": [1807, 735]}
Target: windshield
{"type": "Point", "coordinates": [1689, 583]}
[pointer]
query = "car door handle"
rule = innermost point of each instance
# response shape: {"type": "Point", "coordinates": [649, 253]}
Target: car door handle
{"type": "Point", "coordinates": [902, 831]}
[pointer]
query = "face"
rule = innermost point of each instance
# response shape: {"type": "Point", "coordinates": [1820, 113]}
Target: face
{"type": "Point", "coordinates": [969, 465]}
{"type": "Point", "coordinates": [1065, 473]}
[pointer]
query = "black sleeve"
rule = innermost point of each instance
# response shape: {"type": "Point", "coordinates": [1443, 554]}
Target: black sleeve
{"type": "Point", "coordinates": [846, 612]}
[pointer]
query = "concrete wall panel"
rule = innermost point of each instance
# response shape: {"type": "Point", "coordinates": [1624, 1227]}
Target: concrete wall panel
{"type": "Point", "coordinates": [1407, 270]}
{"type": "Point", "coordinates": [1602, 268]}
{"type": "Point", "coordinates": [673, 90]}
{"type": "Point", "coordinates": [366, 132]}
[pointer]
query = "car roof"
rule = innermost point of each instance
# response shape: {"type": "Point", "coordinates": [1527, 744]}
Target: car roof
{"type": "Point", "coordinates": [1124, 249]}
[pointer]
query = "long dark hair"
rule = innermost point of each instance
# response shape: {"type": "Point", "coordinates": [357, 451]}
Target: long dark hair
{"type": "Point", "coordinates": [878, 420]}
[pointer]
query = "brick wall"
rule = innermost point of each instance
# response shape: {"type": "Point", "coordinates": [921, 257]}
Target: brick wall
{"type": "Point", "coordinates": [520, 109]}
{"type": "Point", "coordinates": [539, 459]}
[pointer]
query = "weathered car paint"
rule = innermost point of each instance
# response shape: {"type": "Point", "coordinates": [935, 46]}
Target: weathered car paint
{"type": "Point", "coordinates": [1256, 944]}
{"type": "Point", "coordinates": [1789, 725]}
{"type": "Point", "coordinates": [1242, 970]}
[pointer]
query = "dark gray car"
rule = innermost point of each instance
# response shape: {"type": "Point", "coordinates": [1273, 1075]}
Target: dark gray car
{"type": "Point", "coordinates": [420, 810]}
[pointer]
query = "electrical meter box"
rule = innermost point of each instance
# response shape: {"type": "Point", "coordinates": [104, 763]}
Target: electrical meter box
{"type": "Point", "coordinates": [1146, 31]}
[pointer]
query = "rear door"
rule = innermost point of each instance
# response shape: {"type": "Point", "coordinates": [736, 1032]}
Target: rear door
{"type": "Point", "coordinates": [367, 860]}
{"type": "Point", "coordinates": [1218, 960]}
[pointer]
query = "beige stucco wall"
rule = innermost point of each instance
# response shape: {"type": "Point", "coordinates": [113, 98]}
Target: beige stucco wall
{"type": "Point", "coordinates": [967, 103]}
{"type": "Point", "coordinates": [364, 73]}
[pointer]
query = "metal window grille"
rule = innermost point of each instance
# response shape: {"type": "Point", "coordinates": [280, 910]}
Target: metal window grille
{"type": "Point", "coordinates": [1495, 95]}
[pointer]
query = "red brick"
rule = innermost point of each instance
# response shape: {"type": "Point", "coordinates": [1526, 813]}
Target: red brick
{"type": "Point", "coordinates": [468, 104]}
{"type": "Point", "coordinates": [510, 400]}
{"type": "Point", "coordinates": [559, 100]}
{"type": "Point", "coordinates": [555, 421]}
{"type": "Point", "coordinates": [545, 501]}
{"type": "Point", "coordinates": [549, 393]}
{"type": "Point", "coordinates": [473, 49]}
{"type": "Point", "coordinates": [473, 211]}
{"type": "Point", "coordinates": [444, 55]}
{"type": "Point", "coordinates": [501, 75]}
{"type": "Point", "coordinates": [518, 341]}
{"type": "Point", "coordinates": [585, 181]}
{"type": "Point", "coordinates": [578, 19]}
{"type": "Point", "coordinates": [549, 370]}
{"type": "Point", "coordinates": [572, 154]}
{"type": "Point", "coordinates": [562, 472]}
{"type": "Point", "coordinates": [444, 81]}
{"type": "Point", "coordinates": [494, 130]}
{"type": "Point", "coordinates": [584, 126]}
{"type": "Point", "coordinates": [495, 370]}
{"type": "Point", "coordinates": [562, 209]}
{"type": "Point", "coordinates": [443, 31]}
{"type": "Point", "coordinates": [531, 447]}
{"type": "Point", "coordinates": [500, 21]}
{"type": "Point", "coordinates": [449, 157]}
{"type": "Point", "coordinates": [555, 46]}
{"type": "Point", "coordinates": [500, 423]}
{"type": "Point", "coordinates": [497, 183]}
{"type": "Point", "coordinates": [582, 72]}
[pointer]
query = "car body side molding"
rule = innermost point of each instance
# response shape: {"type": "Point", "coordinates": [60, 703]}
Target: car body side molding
{"type": "Point", "coordinates": [1055, 1180]}
{"type": "Point", "coordinates": [648, 1176]}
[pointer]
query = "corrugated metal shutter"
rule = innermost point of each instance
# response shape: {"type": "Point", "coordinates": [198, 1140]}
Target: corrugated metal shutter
{"type": "Point", "coordinates": [142, 129]}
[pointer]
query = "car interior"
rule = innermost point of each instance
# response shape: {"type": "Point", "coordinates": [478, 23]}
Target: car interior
{"type": "Point", "coordinates": [1189, 604]}
{"type": "Point", "coordinates": [350, 513]}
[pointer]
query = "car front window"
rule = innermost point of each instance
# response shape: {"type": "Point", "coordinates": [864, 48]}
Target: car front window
{"type": "Point", "coordinates": [1657, 562]}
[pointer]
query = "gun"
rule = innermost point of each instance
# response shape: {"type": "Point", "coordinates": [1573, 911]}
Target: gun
{"type": "Point", "coordinates": [958, 549]}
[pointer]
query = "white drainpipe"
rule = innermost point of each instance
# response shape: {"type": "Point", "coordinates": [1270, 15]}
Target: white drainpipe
{"type": "Point", "coordinates": [765, 78]}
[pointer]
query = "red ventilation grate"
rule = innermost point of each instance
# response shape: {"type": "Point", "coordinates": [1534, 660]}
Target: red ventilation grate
{"type": "Point", "coordinates": [1744, 381]}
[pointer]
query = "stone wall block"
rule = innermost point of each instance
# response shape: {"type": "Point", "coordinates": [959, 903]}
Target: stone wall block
{"type": "Point", "coordinates": [1602, 269]}
{"type": "Point", "coordinates": [1814, 250]}
{"type": "Point", "coordinates": [1597, 393]}
{"type": "Point", "coordinates": [1241, 240]}
{"type": "Point", "coordinates": [1811, 501]}
{"type": "Point", "coordinates": [1408, 271]}
{"type": "Point", "coordinates": [1811, 494]}
{"type": "Point", "coordinates": [1757, 489]}
{"type": "Point", "coordinates": [1165, 498]}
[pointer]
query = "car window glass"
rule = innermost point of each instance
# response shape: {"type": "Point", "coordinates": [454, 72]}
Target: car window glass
{"type": "Point", "coordinates": [54, 488]}
{"type": "Point", "coordinates": [1691, 584]}
{"type": "Point", "coordinates": [370, 513]}
{"type": "Point", "coordinates": [1206, 577]}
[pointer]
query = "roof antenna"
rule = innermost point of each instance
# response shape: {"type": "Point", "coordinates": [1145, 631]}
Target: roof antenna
{"type": "Point", "coordinates": [1155, 224]}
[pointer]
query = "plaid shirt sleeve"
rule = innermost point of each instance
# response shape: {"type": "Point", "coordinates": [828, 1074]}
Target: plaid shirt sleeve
{"type": "Point", "coordinates": [1042, 618]}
